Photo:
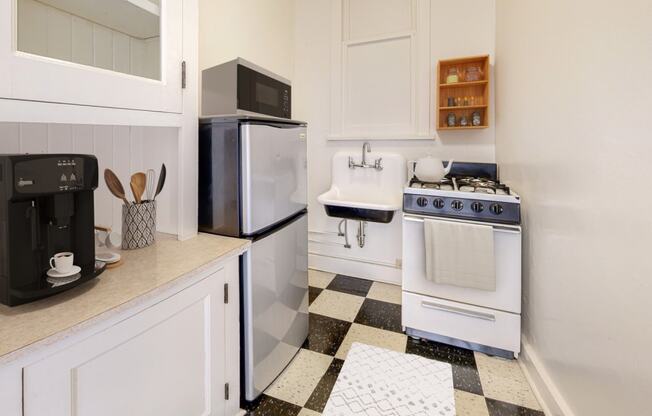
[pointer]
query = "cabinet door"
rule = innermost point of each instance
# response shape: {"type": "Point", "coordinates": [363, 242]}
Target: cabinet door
{"type": "Point", "coordinates": [167, 360]}
{"type": "Point", "coordinates": [108, 53]}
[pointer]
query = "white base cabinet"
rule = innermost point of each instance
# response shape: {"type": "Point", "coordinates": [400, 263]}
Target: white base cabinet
{"type": "Point", "coordinates": [178, 356]}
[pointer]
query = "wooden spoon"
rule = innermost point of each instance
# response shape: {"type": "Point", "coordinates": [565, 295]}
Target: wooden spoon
{"type": "Point", "coordinates": [114, 185]}
{"type": "Point", "coordinates": [138, 185]}
{"type": "Point", "coordinates": [161, 180]}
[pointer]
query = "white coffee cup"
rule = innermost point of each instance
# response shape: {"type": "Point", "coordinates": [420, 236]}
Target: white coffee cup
{"type": "Point", "coordinates": [62, 262]}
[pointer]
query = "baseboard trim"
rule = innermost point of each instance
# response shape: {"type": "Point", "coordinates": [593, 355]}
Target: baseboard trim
{"type": "Point", "coordinates": [545, 390]}
{"type": "Point", "coordinates": [357, 268]}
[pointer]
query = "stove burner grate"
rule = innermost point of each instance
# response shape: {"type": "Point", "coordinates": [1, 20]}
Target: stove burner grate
{"type": "Point", "coordinates": [464, 184]}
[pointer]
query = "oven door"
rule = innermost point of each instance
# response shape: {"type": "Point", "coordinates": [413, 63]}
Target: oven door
{"type": "Point", "coordinates": [259, 93]}
{"type": "Point", "coordinates": [507, 249]}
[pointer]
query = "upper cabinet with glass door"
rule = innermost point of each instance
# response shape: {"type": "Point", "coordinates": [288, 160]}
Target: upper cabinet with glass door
{"type": "Point", "coordinates": [108, 53]}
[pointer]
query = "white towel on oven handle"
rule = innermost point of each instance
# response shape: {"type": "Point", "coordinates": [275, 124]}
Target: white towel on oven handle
{"type": "Point", "coordinates": [460, 254]}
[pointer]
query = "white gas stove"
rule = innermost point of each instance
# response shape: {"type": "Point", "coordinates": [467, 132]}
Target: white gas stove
{"type": "Point", "coordinates": [487, 321]}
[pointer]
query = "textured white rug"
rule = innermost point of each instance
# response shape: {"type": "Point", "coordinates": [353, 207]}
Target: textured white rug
{"type": "Point", "coordinates": [379, 382]}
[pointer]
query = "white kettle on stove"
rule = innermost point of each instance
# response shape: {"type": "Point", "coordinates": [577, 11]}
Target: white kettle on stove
{"type": "Point", "coordinates": [430, 169]}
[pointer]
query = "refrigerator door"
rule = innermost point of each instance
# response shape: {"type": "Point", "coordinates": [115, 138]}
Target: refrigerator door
{"type": "Point", "coordinates": [273, 174]}
{"type": "Point", "coordinates": [275, 303]}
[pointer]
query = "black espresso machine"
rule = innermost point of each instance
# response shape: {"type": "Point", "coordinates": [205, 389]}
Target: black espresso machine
{"type": "Point", "coordinates": [46, 207]}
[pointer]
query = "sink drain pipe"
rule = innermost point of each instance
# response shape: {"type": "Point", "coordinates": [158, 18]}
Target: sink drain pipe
{"type": "Point", "coordinates": [344, 234]}
{"type": "Point", "coordinates": [362, 225]}
{"type": "Point", "coordinates": [361, 235]}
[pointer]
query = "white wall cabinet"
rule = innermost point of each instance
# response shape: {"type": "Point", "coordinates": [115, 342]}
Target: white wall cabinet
{"type": "Point", "coordinates": [113, 53]}
{"type": "Point", "coordinates": [172, 358]}
{"type": "Point", "coordinates": [380, 59]}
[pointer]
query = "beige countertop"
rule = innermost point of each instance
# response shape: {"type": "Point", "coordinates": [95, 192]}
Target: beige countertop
{"type": "Point", "coordinates": [143, 271]}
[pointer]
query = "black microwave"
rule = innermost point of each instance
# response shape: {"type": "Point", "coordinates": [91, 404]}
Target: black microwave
{"type": "Point", "coordinates": [240, 87]}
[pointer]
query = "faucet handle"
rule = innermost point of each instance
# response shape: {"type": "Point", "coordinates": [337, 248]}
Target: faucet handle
{"type": "Point", "coordinates": [378, 163]}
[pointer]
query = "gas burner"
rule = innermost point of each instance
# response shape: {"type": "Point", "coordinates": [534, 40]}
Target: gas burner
{"type": "Point", "coordinates": [481, 186]}
{"type": "Point", "coordinates": [445, 184]}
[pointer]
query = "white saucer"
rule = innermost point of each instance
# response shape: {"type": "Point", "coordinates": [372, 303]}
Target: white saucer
{"type": "Point", "coordinates": [54, 273]}
{"type": "Point", "coordinates": [60, 281]}
{"type": "Point", "coordinates": [107, 257]}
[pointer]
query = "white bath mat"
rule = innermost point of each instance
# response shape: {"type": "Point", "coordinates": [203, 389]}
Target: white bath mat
{"type": "Point", "coordinates": [379, 382]}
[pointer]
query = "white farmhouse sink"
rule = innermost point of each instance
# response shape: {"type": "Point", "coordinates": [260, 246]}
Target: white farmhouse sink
{"type": "Point", "coordinates": [365, 194]}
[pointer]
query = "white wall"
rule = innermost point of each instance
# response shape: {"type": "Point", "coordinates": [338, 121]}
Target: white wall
{"type": "Point", "coordinates": [260, 31]}
{"type": "Point", "coordinates": [123, 149]}
{"type": "Point", "coordinates": [458, 28]}
{"type": "Point", "coordinates": [574, 138]}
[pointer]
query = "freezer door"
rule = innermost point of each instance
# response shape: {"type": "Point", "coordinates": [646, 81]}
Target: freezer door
{"type": "Point", "coordinates": [275, 304]}
{"type": "Point", "coordinates": [273, 174]}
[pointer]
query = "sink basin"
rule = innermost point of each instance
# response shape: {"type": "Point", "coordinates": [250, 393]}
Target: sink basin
{"type": "Point", "coordinates": [365, 194]}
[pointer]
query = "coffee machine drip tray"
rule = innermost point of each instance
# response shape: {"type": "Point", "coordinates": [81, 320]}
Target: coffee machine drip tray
{"type": "Point", "coordinates": [47, 286]}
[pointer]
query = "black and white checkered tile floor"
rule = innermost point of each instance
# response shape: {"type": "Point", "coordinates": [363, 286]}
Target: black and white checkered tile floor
{"type": "Point", "coordinates": [344, 310]}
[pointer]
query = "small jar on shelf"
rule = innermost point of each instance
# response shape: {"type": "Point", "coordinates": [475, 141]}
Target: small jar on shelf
{"type": "Point", "coordinates": [473, 73]}
{"type": "Point", "coordinates": [452, 75]}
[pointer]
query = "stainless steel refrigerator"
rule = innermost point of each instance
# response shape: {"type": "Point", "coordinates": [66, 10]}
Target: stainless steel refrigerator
{"type": "Point", "coordinates": [252, 184]}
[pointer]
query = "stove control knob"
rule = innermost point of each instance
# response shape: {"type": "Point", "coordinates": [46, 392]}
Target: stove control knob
{"type": "Point", "coordinates": [457, 205]}
{"type": "Point", "coordinates": [422, 202]}
{"type": "Point", "coordinates": [496, 209]}
{"type": "Point", "coordinates": [477, 206]}
{"type": "Point", "coordinates": [438, 203]}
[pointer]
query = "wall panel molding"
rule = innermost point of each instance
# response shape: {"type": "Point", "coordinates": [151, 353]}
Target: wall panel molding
{"type": "Point", "coordinates": [377, 64]}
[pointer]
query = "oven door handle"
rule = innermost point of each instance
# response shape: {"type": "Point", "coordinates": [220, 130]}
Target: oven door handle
{"type": "Point", "coordinates": [499, 228]}
{"type": "Point", "coordinates": [459, 311]}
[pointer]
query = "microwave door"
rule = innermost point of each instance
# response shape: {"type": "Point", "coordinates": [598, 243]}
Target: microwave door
{"type": "Point", "coordinates": [262, 94]}
{"type": "Point", "coordinates": [273, 174]}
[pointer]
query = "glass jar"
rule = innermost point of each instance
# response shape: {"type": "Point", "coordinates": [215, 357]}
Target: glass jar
{"type": "Point", "coordinates": [451, 120]}
{"type": "Point", "coordinates": [473, 73]}
{"type": "Point", "coordinates": [476, 119]}
{"type": "Point", "coordinates": [452, 75]}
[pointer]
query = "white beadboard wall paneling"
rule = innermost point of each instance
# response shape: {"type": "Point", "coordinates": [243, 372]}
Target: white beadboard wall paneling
{"type": "Point", "coordinates": [32, 23]}
{"type": "Point", "coordinates": [9, 138]}
{"type": "Point", "coordinates": [103, 150]}
{"type": "Point", "coordinates": [121, 53]}
{"type": "Point", "coordinates": [47, 31]}
{"type": "Point", "coordinates": [33, 138]}
{"type": "Point", "coordinates": [123, 149]}
{"type": "Point", "coordinates": [136, 146]}
{"type": "Point", "coordinates": [60, 138]}
{"type": "Point", "coordinates": [82, 139]}
{"type": "Point", "coordinates": [160, 145]}
{"type": "Point", "coordinates": [121, 167]}
{"type": "Point", "coordinates": [102, 47]}
{"type": "Point", "coordinates": [82, 41]}
{"type": "Point", "coordinates": [59, 35]}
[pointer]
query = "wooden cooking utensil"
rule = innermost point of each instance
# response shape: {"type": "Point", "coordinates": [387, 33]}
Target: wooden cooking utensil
{"type": "Point", "coordinates": [161, 180]}
{"type": "Point", "coordinates": [114, 185]}
{"type": "Point", "coordinates": [138, 185]}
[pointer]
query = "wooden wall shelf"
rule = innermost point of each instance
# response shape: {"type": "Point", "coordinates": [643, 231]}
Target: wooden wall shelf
{"type": "Point", "coordinates": [464, 84]}
{"type": "Point", "coordinates": [470, 96]}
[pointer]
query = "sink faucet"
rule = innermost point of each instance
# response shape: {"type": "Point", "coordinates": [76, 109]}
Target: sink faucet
{"type": "Point", "coordinates": [366, 148]}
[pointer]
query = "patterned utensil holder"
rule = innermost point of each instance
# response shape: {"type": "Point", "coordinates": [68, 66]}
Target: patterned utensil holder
{"type": "Point", "coordinates": [138, 225]}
